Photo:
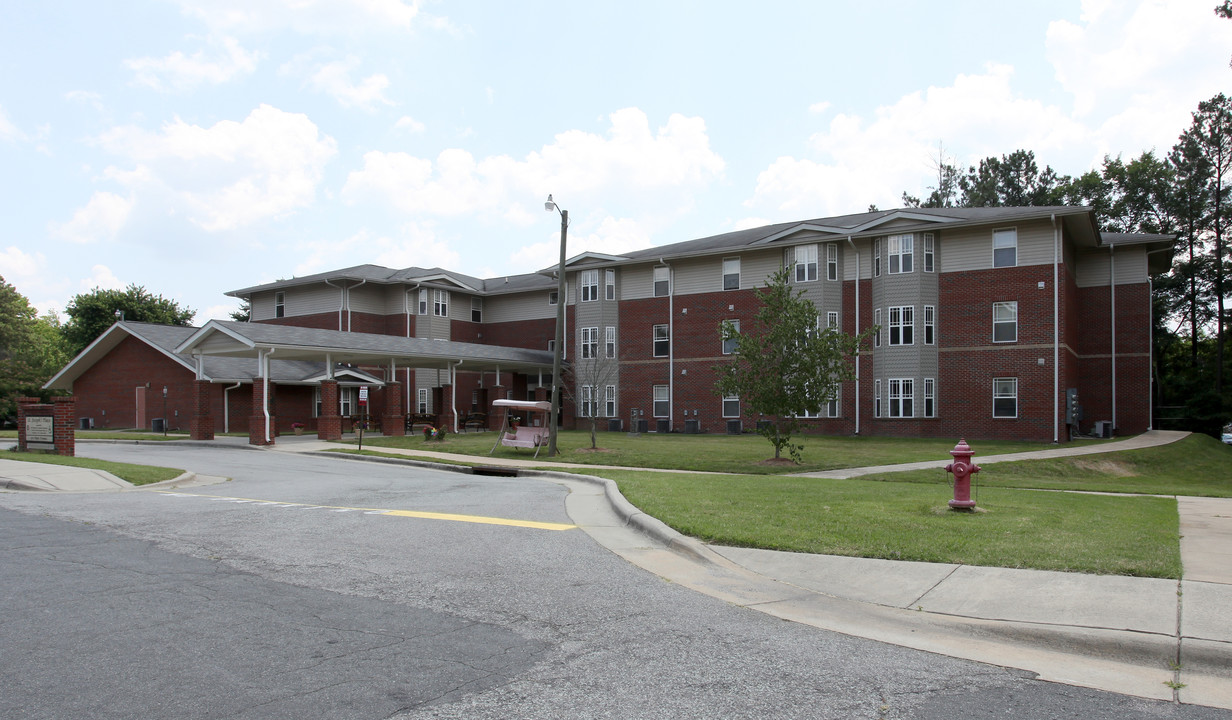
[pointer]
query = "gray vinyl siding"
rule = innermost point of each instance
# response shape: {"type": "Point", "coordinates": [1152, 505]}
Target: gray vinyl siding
{"type": "Point", "coordinates": [1094, 267]}
{"type": "Point", "coordinates": [971, 249]}
{"type": "Point", "coordinates": [702, 275]}
{"type": "Point", "coordinates": [914, 289]}
{"type": "Point", "coordinates": [523, 306]}
{"type": "Point", "coordinates": [262, 306]}
{"type": "Point", "coordinates": [313, 300]}
{"type": "Point", "coordinates": [368, 299]}
{"type": "Point", "coordinates": [637, 282]}
{"type": "Point", "coordinates": [757, 267]}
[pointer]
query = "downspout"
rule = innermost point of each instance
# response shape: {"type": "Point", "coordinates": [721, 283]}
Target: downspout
{"type": "Point", "coordinates": [226, 407]}
{"type": "Point", "coordinates": [341, 300]}
{"type": "Point", "coordinates": [264, 363]}
{"type": "Point", "coordinates": [1056, 330]}
{"type": "Point", "coordinates": [1112, 293]}
{"type": "Point", "coordinates": [1150, 372]}
{"type": "Point", "coordinates": [348, 301]}
{"type": "Point", "coordinates": [857, 255]}
{"type": "Point", "coordinates": [671, 345]}
{"type": "Point", "coordinates": [453, 393]}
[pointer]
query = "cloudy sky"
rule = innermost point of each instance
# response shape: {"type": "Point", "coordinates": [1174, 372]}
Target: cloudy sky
{"type": "Point", "coordinates": [196, 147]}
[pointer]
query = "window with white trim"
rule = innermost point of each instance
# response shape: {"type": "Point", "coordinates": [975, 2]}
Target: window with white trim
{"type": "Point", "coordinates": [553, 297]}
{"type": "Point", "coordinates": [609, 284]}
{"type": "Point", "coordinates": [877, 257]}
{"type": "Point", "coordinates": [900, 253]}
{"type": "Point", "coordinates": [930, 322]}
{"type": "Point", "coordinates": [902, 396]}
{"type": "Point", "coordinates": [1005, 322]}
{"type": "Point", "coordinates": [590, 343]}
{"type": "Point", "coordinates": [902, 325]}
{"type": "Point", "coordinates": [731, 406]}
{"type": "Point", "coordinates": [832, 407]}
{"type": "Point", "coordinates": [662, 343]}
{"type": "Point", "coordinates": [832, 261]}
{"type": "Point", "coordinates": [346, 401]}
{"type": "Point", "coordinates": [589, 281]}
{"type": "Point", "coordinates": [930, 398]}
{"type": "Point", "coordinates": [609, 401]}
{"type": "Point", "coordinates": [423, 301]}
{"type": "Point", "coordinates": [729, 345]}
{"type": "Point", "coordinates": [610, 342]}
{"type": "Point", "coordinates": [423, 401]}
{"type": "Point", "coordinates": [476, 309]}
{"type": "Point", "coordinates": [832, 319]}
{"type": "Point", "coordinates": [806, 263]}
{"type": "Point", "coordinates": [877, 324]}
{"type": "Point", "coordinates": [1005, 247]}
{"type": "Point", "coordinates": [1005, 397]}
{"type": "Point", "coordinates": [662, 281]}
{"type": "Point", "coordinates": [587, 407]}
{"type": "Point", "coordinates": [731, 273]}
{"type": "Point", "coordinates": [279, 304]}
{"type": "Point", "coordinates": [877, 398]}
{"type": "Point", "coordinates": [929, 252]}
{"type": "Point", "coordinates": [660, 405]}
{"type": "Point", "coordinates": [440, 303]}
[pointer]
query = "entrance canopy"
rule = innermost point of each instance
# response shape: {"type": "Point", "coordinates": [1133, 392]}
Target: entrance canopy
{"type": "Point", "coordinates": [239, 339]}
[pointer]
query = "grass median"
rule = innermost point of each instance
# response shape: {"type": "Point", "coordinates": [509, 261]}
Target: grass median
{"type": "Point", "coordinates": [135, 474]}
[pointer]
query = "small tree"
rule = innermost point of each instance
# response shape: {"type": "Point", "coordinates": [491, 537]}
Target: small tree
{"type": "Point", "coordinates": [90, 314]}
{"type": "Point", "coordinates": [594, 369]}
{"type": "Point", "coordinates": [786, 364]}
{"type": "Point", "coordinates": [31, 350]}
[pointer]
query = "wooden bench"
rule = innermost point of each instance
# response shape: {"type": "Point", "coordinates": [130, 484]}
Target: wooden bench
{"type": "Point", "coordinates": [477, 420]}
{"type": "Point", "coordinates": [413, 419]}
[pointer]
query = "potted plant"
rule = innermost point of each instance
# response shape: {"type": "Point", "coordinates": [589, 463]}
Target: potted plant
{"type": "Point", "coordinates": [298, 427]}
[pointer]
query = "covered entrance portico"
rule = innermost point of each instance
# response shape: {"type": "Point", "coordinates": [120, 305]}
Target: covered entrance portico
{"type": "Point", "coordinates": [266, 341]}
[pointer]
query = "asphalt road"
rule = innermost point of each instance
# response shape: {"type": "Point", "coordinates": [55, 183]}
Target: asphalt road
{"type": "Point", "coordinates": [317, 602]}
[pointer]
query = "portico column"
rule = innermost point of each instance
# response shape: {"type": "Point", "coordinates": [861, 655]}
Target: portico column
{"type": "Point", "coordinates": [201, 427]}
{"type": "Point", "coordinates": [393, 422]}
{"type": "Point", "coordinates": [329, 424]}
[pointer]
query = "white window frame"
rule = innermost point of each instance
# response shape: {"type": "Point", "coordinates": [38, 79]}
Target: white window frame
{"type": "Point", "coordinates": [877, 398]}
{"type": "Point", "coordinates": [1005, 315]}
{"type": "Point", "coordinates": [609, 401]}
{"type": "Point", "coordinates": [662, 281]}
{"type": "Point", "coordinates": [876, 257]}
{"type": "Point", "coordinates": [834, 405]}
{"type": "Point", "coordinates": [440, 303]}
{"type": "Point", "coordinates": [902, 325]}
{"type": "Point", "coordinates": [422, 403]}
{"type": "Point", "coordinates": [610, 342]}
{"type": "Point", "coordinates": [477, 309]}
{"type": "Point", "coordinates": [729, 346]}
{"type": "Point", "coordinates": [1005, 247]}
{"type": "Point", "coordinates": [586, 407]}
{"type": "Point", "coordinates": [660, 336]}
{"type": "Point", "coordinates": [280, 304]}
{"type": "Point", "coordinates": [930, 397]}
{"type": "Point", "coordinates": [930, 250]}
{"type": "Point", "coordinates": [553, 297]}
{"type": "Point", "coordinates": [423, 301]}
{"type": "Point", "coordinates": [590, 343]}
{"type": "Point", "coordinates": [731, 273]}
{"type": "Point", "coordinates": [728, 403]}
{"type": "Point", "coordinates": [930, 325]}
{"type": "Point", "coordinates": [900, 253]}
{"type": "Point", "coordinates": [659, 401]}
{"type": "Point", "coordinates": [806, 263]}
{"type": "Point", "coordinates": [1004, 388]}
{"type": "Point", "coordinates": [589, 282]}
{"type": "Point", "coordinates": [902, 397]}
{"type": "Point", "coordinates": [832, 261]}
{"type": "Point", "coordinates": [877, 323]}
{"type": "Point", "coordinates": [609, 284]}
{"type": "Point", "coordinates": [832, 319]}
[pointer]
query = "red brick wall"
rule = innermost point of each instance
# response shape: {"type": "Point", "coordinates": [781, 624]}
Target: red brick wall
{"type": "Point", "coordinates": [529, 334]}
{"type": "Point", "coordinates": [110, 385]}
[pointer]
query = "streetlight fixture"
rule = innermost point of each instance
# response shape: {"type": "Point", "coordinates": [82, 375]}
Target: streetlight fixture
{"type": "Point", "coordinates": [164, 411]}
{"type": "Point", "coordinates": [554, 422]}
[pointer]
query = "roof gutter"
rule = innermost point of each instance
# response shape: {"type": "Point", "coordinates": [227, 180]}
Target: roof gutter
{"type": "Point", "coordinates": [857, 256]}
{"type": "Point", "coordinates": [1056, 330]}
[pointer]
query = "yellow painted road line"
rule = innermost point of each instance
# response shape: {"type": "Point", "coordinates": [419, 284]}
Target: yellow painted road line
{"type": "Point", "coordinates": [480, 519]}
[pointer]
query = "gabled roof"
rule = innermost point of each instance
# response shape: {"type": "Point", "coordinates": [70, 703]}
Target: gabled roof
{"type": "Point", "coordinates": [1159, 248]}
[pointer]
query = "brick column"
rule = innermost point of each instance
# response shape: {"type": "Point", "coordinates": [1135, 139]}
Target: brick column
{"type": "Point", "coordinates": [446, 413]}
{"type": "Point", "coordinates": [201, 427]}
{"type": "Point", "coordinates": [65, 414]}
{"type": "Point", "coordinates": [256, 422]}
{"type": "Point", "coordinates": [393, 423]}
{"type": "Point", "coordinates": [329, 424]}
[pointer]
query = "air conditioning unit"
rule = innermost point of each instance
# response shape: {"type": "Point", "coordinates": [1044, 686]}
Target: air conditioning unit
{"type": "Point", "coordinates": [692, 427]}
{"type": "Point", "coordinates": [87, 423]}
{"type": "Point", "coordinates": [733, 427]}
{"type": "Point", "coordinates": [1103, 428]}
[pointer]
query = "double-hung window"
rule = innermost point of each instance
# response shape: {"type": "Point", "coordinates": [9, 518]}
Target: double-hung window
{"type": "Point", "coordinates": [590, 343]}
{"type": "Point", "coordinates": [806, 263]}
{"type": "Point", "coordinates": [610, 342]}
{"type": "Point", "coordinates": [731, 273]}
{"type": "Point", "coordinates": [440, 303]}
{"type": "Point", "coordinates": [662, 343]}
{"type": "Point", "coordinates": [929, 252]}
{"type": "Point", "coordinates": [476, 309]}
{"type": "Point", "coordinates": [832, 261]}
{"type": "Point", "coordinates": [279, 304]}
{"type": "Point", "coordinates": [877, 398]}
{"type": "Point", "coordinates": [1005, 247]}
{"type": "Point", "coordinates": [729, 345]}
{"type": "Point", "coordinates": [660, 405]}
{"type": "Point", "coordinates": [900, 253]}
{"type": "Point", "coordinates": [930, 322]}
{"type": "Point", "coordinates": [902, 325]}
{"type": "Point", "coordinates": [609, 284]}
{"type": "Point", "coordinates": [1005, 397]}
{"type": "Point", "coordinates": [587, 408]}
{"type": "Point", "coordinates": [902, 395]}
{"type": "Point", "coordinates": [877, 324]}
{"type": "Point", "coordinates": [609, 401]}
{"type": "Point", "coordinates": [423, 301]}
{"type": "Point", "coordinates": [423, 400]}
{"type": "Point", "coordinates": [1005, 322]}
{"type": "Point", "coordinates": [832, 319]}
{"type": "Point", "coordinates": [832, 407]}
{"type": "Point", "coordinates": [930, 397]}
{"type": "Point", "coordinates": [553, 297]}
{"type": "Point", "coordinates": [662, 281]}
{"type": "Point", "coordinates": [590, 285]}
{"type": "Point", "coordinates": [731, 406]}
{"type": "Point", "coordinates": [877, 257]}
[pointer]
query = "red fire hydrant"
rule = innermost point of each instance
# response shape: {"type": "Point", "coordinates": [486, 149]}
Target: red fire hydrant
{"type": "Point", "coordinates": [962, 468]}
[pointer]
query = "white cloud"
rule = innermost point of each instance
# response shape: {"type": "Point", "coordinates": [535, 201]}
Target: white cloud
{"type": "Point", "coordinates": [410, 124]}
{"type": "Point", "coordinates": [416, 245]}
{"type": "Point", "coordinates": [612, 236]}
{"type": "Point", "coordinates": [231, 174]}
{"type": "Point", "coordinates": [178, 71]}
{"type": "Point", "coordinates": [334, 79]}
{"type": "Point", "coordinates": [306, 16]}
{"type": "Point", "coordinates": [100, 219]}
{"type": "Point", "coordinates": [102, 278]}
{"type": "Point", "coordinates": [9, 131]}
{"type": "Point", "coordinates": [818, 108]}
{"type": "Point", "coordinates": [17, 264]}
{"type": "Point", "coordinates": [660, 170]}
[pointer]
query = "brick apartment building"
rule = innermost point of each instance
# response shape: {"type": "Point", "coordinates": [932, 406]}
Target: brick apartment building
{"type": "Point", "coordinates": [990, 319]}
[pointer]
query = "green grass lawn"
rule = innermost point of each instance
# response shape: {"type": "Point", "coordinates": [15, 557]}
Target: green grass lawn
{"type": "Point", "coordinates": [119, 434]}
{"type": "Point", "coordinates": [743, 454]}
{"type": "Point", "coordinates": [911, 521]}
{"type": "Point", "coordinates": [135, 474]}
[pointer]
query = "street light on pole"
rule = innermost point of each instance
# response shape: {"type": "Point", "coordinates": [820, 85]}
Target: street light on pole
{"type": "Point", "coordinates": [554, 421]}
